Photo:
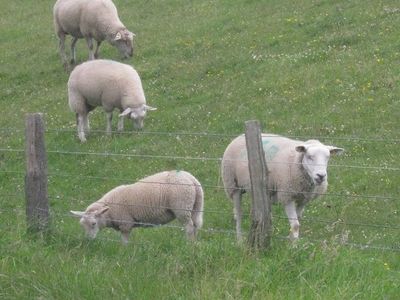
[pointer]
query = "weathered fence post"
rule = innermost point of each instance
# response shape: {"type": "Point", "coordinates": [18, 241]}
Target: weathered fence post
{"type": "Point", "coordinates": [261, 227]}
{"type": "Point", "coordinates": [37, 207]}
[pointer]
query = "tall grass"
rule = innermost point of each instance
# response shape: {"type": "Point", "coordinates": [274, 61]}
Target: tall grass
{"type": "Point", "coordinates": [306, 69]}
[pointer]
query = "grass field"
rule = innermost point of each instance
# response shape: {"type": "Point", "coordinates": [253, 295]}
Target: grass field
{"type": "Point", "coordinates": [306, 69]}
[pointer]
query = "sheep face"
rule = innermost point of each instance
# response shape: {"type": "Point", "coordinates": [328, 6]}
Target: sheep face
{"type": "Point", "coordinates": [137, 114]}
{"type": "Point", "coordinates": [91, 221]}
{"type": "Point", "coordinates": [123, 40]}
{"type": "Point", "coordinates": [315, 160]}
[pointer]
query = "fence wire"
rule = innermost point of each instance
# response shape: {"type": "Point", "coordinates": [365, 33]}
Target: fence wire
{"type": "Point", "coordinates": [55, 214]}
{"type": "Point", "coordinates": [341, 241]}
{"type": "Point", "coordinates": [307, 219]}
{"type": "Point", "coordinates": [211, 134]}
{"type": "Point", "coordinates": [345, 194]}
{"type": "Point", "coordinates": [173, 157]}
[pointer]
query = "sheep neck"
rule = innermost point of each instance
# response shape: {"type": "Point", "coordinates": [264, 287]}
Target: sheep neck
{"type": "Point", "coordinates": [307, 180]}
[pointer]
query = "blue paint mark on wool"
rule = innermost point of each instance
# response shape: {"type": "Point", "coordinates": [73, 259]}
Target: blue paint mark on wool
{"type": "Point", "coordinates": [269, 148]}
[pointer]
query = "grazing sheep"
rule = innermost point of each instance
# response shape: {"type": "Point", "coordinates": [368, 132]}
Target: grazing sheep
{"type": "Point", "coordinates": [154, 200]}
{"type": "Point", "coordinates": [297, 174]}
{"type": "Point", "coordinates": [108, 84]}
{"type": "Point", "coordinates": [90, 19]}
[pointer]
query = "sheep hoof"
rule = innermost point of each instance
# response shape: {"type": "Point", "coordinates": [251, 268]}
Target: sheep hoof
{"type": "Point", "coordinates": [293, 240]}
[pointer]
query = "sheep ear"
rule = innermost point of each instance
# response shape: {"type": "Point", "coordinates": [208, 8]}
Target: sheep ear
{"type": "Point", "coordinates": [78, 214]}
{"type": "Point", "coordinates": [118, 36]}
{"type": "Point", "coordinates": [131, 35]}
{"type": "Point", "coordinates": [335, 150]}
{"type": "Point", "coordinates": [126, 112]}
{"type": "Point", "coordinates": [150, 108]}
{"type": "Point", "coordinates": [301, 148]}
{"type": "Point", "coordinates": [102, 211]}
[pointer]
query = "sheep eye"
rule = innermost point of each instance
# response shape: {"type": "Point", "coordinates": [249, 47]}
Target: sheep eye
{"type": "Point", "coordinates": [93, 224]}
{"type": "Point", "coordinates": [310, 157]}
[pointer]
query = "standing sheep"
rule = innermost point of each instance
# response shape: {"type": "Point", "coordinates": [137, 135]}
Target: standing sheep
{"type": "Point", "coordinates": [154, 200]}
{"type": "Point", "coordinates": [90, 19]}
{"type": "Point", "coordinates": [297, 174]}
{"type": "Point", "coordinates": [108, 84]}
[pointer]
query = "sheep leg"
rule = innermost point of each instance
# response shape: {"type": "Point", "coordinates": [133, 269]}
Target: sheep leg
{"type": "Point", "coordinates": [61, 47]}
{"type": "Point", "coordinates": [109, 122]}
{"type": "Point", "coordinates": [86, 126]}
{"type": "Point", "coordinates": [80, 121]}
{"type": "Point", "coordinates": [89, 42]}
{"type": "Point", "coordinates": [185, 218]}
{"type": "Point", "coordinates": [237, 212]}
{"type": "Point", "coordinates": [96, 52]}
{"type": "Point", "coordinates": [125, 237]}
{"type": "Point", "coordinates": [121, 124]}
{"type": "Point", "coordinates": [299, 211]}
{"type": "Point", "coordinates": [190, 230]}
{"type": "Point", "coordinates": [290, 209]}
{"type": "Point", "coordinates": [73, 50]}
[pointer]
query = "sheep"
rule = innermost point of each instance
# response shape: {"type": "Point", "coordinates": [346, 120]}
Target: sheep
{"type": "Point", "coordinates": [297, 173]}
{"type": "Point", "coordinates": [90, 19]}
{"type": "Point", "coordinates": [154, 200]}
{"type": "Point", "coordinates": [108, 84]}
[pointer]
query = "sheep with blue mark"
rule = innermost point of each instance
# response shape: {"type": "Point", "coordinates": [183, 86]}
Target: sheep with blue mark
{"type": "Point", "coordinates": [297, 174]}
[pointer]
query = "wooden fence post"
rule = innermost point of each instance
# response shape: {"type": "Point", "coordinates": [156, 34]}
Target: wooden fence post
{"type": "Point", "coordinates": [37, 206]}
{"type": "Point", "coordinates": [261, 227]}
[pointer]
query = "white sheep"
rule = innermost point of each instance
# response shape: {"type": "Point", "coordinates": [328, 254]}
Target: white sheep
{"type": "Point", "coordinates": [109, 84]}
{"type": "Point", "coordinates": [297, 174]}
{"type": "Point", "coordinates": [90, 19]}
{"type": "Point", "coordinates": [154, 200]}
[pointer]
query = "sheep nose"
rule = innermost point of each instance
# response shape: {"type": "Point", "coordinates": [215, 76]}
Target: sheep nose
{"type": "Point", "coordinates": [320, 177]}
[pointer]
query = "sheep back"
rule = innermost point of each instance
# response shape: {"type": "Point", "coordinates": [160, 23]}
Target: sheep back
{"type": "Point", "coordinates": [97, 25]}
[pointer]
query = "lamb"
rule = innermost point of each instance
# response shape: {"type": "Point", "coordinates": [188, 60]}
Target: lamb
{"type": "Point", "coordinates": [90, 19]}
{"type": "Point", "coordinates": [154, 200]}
{"type": "Point", "coordinates": [109, 84]}
{"type": "Point", "coordinates": [297, 174]}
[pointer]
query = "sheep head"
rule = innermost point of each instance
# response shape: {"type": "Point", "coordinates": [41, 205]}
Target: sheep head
{"type": "Point", "coordinates": [123, 40]}
{"type": "Point", "coordinates": [137, 114]}
{"type": "Point", "coordinates": [315, 159]}
{"type": "Point", "coordinates": [91, 220]}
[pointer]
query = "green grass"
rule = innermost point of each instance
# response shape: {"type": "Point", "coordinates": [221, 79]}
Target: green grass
{"type": "Point", "coordinates": [309, 69]}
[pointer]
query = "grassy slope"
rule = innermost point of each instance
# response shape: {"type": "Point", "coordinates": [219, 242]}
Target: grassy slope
{"type": "Point", "coordinates": [316, 69]}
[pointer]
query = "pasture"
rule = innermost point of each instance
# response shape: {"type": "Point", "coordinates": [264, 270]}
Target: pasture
{"type": "Point", "coordinates": [304, 69]}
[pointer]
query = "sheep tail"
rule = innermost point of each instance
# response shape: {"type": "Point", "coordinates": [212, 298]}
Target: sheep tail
{"type": "Point", "coordinates": [197, 213]}
{"type": "Point", "coordinates": [228, 178]}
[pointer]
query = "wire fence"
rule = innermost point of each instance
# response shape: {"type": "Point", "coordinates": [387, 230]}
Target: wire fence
{"type": "Point", "coordinates": [173, 157]}
{"type": "Point", "coordinates": [377, 139]}
{"type": "Point", "coordinates": [337, 221]}
{"type": "Point", "coordinates": [344, 194]}
{"type": "Point", "coordinates": [341, 238]}
{"type": "Point", "coordinates": [227, 213]}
